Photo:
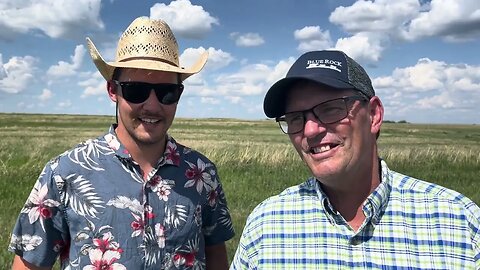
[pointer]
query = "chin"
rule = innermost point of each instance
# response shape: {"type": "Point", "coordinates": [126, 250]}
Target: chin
{"type": "Point", "coordinates": [149, 138]}
{"type": "Point", "coordinates": [325, 169]}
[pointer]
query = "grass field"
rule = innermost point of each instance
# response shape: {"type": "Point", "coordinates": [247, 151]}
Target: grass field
{"type": "Point", "coordinates": [255, 160]}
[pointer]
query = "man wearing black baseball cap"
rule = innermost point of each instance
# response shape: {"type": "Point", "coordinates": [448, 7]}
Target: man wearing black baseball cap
{"type": "Point", "coordinates": [354, 212]}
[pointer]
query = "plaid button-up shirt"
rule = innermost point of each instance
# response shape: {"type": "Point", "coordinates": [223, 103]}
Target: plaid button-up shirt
{"type": "Point", "coordinates": [410, 224]}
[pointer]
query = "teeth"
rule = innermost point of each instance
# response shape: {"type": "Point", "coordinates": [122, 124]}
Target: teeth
{"type": "Point", "coordinates": [321, 149]}
{"type": "Point", "coordinates": [149, 120]}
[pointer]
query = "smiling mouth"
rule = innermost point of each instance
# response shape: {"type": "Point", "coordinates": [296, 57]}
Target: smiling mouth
{"type": "Point", "coordinates": [149, 120]}
{"type": "Point", "coordinates": [322, 149]}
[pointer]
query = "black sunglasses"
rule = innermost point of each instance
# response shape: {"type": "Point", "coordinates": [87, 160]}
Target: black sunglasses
{"type": "Point", "coordinates": [138, 92]}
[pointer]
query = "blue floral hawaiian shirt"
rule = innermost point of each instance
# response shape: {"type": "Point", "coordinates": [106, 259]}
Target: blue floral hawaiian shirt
{"type": "Point", "coordinates": [92, 207]}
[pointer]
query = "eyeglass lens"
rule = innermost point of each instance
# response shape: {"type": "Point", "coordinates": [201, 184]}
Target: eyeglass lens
{"type": "Point", "coordinates": [138, 92]}
{"type": "Point", "coordinates": [328, 112]}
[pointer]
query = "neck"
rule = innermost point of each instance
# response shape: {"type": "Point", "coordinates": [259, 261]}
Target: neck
{"type": "Point", "coordinates": [145, 154]}
{"type": "Point", "coordinates": [348, 198]}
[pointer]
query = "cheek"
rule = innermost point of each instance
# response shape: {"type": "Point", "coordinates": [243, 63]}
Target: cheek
{"type": "Point", "coordinates": [171, 109]}
{"type": "Point", "coordinates": [296, 140]}
{"type": "Point", "coordinates": [125, 106]}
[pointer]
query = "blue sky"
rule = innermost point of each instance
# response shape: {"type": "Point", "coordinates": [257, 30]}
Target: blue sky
{"type": "Point", "coordinates": [423, 56]}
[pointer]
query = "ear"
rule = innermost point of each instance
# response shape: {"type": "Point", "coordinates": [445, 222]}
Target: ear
{"type": "Point", "coordinates": [112, 90]}
{"type": "Point", "coordinates": [376, 114]}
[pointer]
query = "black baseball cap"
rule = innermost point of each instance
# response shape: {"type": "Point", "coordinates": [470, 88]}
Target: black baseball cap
{"type": "Point", "coordinates": [334, 69]}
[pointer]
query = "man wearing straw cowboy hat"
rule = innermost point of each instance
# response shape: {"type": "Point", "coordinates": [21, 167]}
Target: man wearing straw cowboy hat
{"type": "Point", "coordinates": [133, 198]}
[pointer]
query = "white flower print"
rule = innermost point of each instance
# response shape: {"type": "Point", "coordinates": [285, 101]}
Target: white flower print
{"type": "Point", "coordinates": [137, 225]}
{"type": "Point", "coordinates": [212, 194]}
{"type": "Point", "coordinates": [123, 202]}
{"type": "Point", "coordinates": [160, 233]}
{"type": "Point", "coordinates": [112, 141]}
{"type": "Point", "coordinates": [104, 260]}
{"type": "Point", "coordinates": [172, 156]}
{"type": "Point", "coordinates": [186, 257]}
{"type": "Point", "coordinates": [37, 207]}
{"type": "Point", "coordinates": [25, 242]}
{"type": "Point", "coordinates": [106, 243]}
{"type": "Point", "coordinates": [198, 175]}
{"type": "Point", "coordinates": [163, 192]}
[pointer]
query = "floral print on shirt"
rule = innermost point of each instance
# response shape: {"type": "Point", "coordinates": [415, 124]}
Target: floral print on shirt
{"type": "Point", "coordinates": [92, 208]}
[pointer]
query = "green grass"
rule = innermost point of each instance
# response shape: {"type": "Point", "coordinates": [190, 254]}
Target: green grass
{"type": "Point", "coordinates": [254, 159]}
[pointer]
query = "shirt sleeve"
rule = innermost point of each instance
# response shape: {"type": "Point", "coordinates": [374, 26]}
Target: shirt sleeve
{"type": "Point", "coordinates": [39, 235]}
{"type": "Point", "coordinates": [217, 223]}
{"type": "Point", "coordinates": [474, 225]}
{"type": "Point", "coordinates": [243, 258]}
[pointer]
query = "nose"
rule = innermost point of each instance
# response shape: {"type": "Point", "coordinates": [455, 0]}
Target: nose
{"type": "Point", "coordinates": [313, 126]}
{"type": "Point", "coordinates": [152, 100]}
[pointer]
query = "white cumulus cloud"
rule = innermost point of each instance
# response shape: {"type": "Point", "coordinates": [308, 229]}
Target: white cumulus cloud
{"type": "Point", "coordinates": [312, 38]}
{"type": "Point", "coordinates": [46, 95]}
{"type": "Point", "coordinates": [18, 74]}
{"type": "Point", "coordinates": [56, 19]}
{"type": "Point", "coordinates": [247, 39]}
{"type": "Point", "coordinates": [430, 85]}
{"type": "Point", "coordinates": [185, 19]}
{"type": "Point", "coordinates": [62, 68]}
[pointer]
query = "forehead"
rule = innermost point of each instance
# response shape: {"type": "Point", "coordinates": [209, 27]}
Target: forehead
{"type": "Point", "coordinates": [305, 94]}
{"type": "Point", "coordinates": [145, 75]}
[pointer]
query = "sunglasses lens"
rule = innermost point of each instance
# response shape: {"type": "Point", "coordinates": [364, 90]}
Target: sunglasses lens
{"type": "Point", "coordinates": [134, 92]}
{"type": "Point", "coordinates": [138, 92]}
{"type": "Point", "coordinates": [169, 93]}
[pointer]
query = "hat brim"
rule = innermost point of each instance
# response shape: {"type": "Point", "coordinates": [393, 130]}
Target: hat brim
{"type": "Point", "coordinates": [107, 68]}
{"type": "Point", "coordinates": [275, 99]}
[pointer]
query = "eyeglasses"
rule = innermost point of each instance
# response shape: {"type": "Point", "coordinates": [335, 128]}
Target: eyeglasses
{"type": "Point", "coordinates": [327, 112]}
{"type": "Point", "coordinates": [138, 92]}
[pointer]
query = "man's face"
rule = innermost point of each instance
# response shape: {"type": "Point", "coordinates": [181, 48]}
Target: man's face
{"type": "Point", "coordinates": [332, 151]}
{"type": "Point", "coordinates": [145, 123]}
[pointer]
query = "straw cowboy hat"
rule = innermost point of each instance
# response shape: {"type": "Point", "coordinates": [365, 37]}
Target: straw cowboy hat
{"type": "Point", "coordinates": [146, 44]}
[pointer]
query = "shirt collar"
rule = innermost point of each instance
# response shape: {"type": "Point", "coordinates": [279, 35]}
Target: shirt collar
{"type": "Point", "coordinates": [380, 196]}
{"type": "Point", "coordinates": [171, 155]}
{"type": "Point", "coordinates": [375, 203]}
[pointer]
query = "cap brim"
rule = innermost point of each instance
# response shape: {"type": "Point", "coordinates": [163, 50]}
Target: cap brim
{"type": "Point", "coordinates": [275, 99]}
{"type": "Point", "coordinates": [107, 68]}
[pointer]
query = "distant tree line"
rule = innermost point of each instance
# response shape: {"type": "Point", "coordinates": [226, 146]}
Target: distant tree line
{"type": "Point", "coordinates": [398, 122]}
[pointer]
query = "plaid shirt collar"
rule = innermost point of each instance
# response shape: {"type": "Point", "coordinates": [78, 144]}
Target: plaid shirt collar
{"type": "Point", "coordinates": [372, 207]}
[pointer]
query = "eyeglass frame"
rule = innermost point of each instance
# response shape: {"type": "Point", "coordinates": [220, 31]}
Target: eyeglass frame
{"type": "Point", "coordinates": [282, 119]}
{"type": "Point", "coordinates": [156, 87]}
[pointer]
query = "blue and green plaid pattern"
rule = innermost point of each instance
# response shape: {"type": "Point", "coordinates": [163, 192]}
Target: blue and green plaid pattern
{"type": "Point", "coordinates": [410, 224]}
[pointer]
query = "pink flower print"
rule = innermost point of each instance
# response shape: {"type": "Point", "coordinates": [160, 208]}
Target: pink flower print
{"type": "Point", "coordinates": [37, 207]}
{"type": "Point", "coordinates": [106, 243]}
{"type": "Point", "coordinates": [154, 182]}
{"type": "Point", "coordinates": [184, 259]}
{"type": "Point", "coordinates": [137, 225]}
{"type": "Point", "coordinates": [104, 260]}
{"type": "Point", "coordinates": [172, 156]}
{"type": "Point", "coordinates": [45, 212]}
{"type": "Point", "coordinates": [61, 247]}
{"type": "Point", "coordinates": [149, 212]}
{"type": "Point", "coordinates": [212, 197]}
{"type": "Point", "coordinates": [163, 192]}
{"type": "Point", "coordinates": [197, 175]}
